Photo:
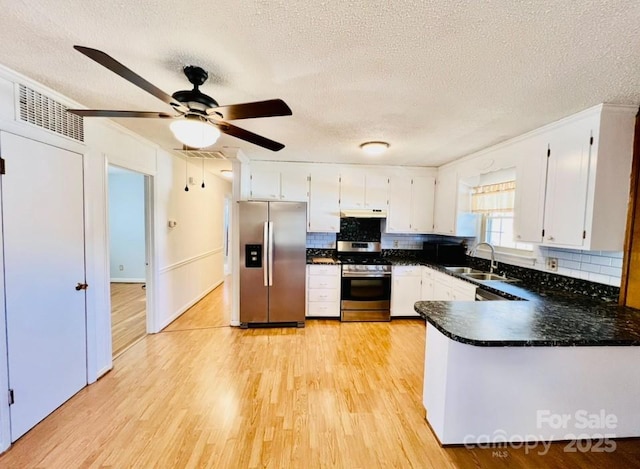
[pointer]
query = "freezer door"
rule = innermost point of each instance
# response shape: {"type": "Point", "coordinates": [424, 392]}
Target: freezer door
{"type": "Point", "coordinates": [287, 293]}
{"type": "Point", "coordinates": [254, 293]}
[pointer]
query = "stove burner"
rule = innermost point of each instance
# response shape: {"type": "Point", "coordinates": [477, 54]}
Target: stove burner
{"type": "Point", "coordinates": [357, 260]}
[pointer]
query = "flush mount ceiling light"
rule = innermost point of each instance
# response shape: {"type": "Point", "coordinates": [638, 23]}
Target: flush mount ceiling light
{"type": "Point", "coordinates": [226, 173]}
{"type": "Point", "coordinates": [374, 148]}
{"type": "Point", "coordinates": [195, 132]}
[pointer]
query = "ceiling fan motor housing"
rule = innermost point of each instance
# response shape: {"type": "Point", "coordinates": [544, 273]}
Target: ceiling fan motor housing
{"type": "Point", "coordinates": [195, 99]}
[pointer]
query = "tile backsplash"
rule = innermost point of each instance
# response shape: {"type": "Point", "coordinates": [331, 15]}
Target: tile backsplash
{"type": "Point", "coordinates": [321, 240]}
{"type": "Point", "coordinates": [595, 266]}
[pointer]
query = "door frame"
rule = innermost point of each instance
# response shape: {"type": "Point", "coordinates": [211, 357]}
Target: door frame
{"type": "Point", "coordinates": [149, 238]}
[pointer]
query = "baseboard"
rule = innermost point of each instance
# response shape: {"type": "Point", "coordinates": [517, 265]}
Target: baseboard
{"type": "Point", "coordinates": [184, 308]}
{"type": "Point", "coordinates": [128, 280]}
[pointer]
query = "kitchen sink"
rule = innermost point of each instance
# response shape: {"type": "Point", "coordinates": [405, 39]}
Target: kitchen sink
{"type": "Point", "coordinates": [484, 276]}
{"type": "Point", "coordinates": [463, 270]}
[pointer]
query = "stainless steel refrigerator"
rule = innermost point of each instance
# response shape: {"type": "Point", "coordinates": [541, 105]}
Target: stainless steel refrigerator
{"type": "Point", "coordinates": [273, 259]}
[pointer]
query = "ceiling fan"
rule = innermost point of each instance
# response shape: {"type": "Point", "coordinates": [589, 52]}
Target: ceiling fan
{"type": "Point", "coordinates": [199, 119]}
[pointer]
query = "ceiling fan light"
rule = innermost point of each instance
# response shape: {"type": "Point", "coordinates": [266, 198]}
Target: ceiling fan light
{"type": "Point", "coordinates": [195, 132]}
{"type": "Point", "coordinates": [374, 148]}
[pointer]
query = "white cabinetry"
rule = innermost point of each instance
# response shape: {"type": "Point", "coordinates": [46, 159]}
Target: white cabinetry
{"type": "Point", "coordinates": [324, 203]}
{"type": "Point", "coordinates": [448, 288]}
{"type": "Point", "coordinates": [427, 284]}
{"type": "Point", "coordinates": [363, 190]}
{"type": "Point", "coordinates": [410, 204]}
{"type": "Point", "coordinates": [270, 184]}
{"type": "Point", "coordinates": [323, 291]}
{"type": "Point", "coordinates": [405, 290]}
{"type": "Point", "coordinates": [452, 206]}
{"type": "Point", "coordinates": [572, 181]}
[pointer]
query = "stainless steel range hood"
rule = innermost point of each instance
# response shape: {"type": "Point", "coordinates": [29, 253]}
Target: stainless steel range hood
{"type": "Point", "coordinates": [363, 213]}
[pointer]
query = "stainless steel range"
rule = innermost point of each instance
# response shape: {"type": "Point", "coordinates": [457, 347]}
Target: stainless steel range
{"type": "Point", "coordinates": [366, 282]}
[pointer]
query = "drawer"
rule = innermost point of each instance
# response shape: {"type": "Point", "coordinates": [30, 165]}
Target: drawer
{"type": "Point", "coordinates": [323, 308]}
{"type": "Point", "coordinates": [319, 294]}
{"type": "Point", "coordinates": [323, 281]}
{"type": "Point", "coordinates": [407, 270]}
{"type": "Point", "coordinates": [324, 270]}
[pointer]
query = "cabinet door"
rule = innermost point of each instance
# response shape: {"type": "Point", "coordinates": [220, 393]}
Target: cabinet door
{"type": "Point", "coordinates": [567, 181]}
{"type": "Point", "coordinates": [422, 204]}
{"type": "Point", "coordinates": [399, 214]}
{"type": "Point", "coordinates": [441, 290]}
{"type": "Point", "coordinates": [352, 190]}
{"type": "Point", "coordinates": [446, 195]}
{"type": "Point", "coordinates": [376, 191]}
{"type": "Point", "coordinates": [531, 175]}
{"type": "Point", "coordinates": [265, 185]}
{"type": "Point", "coordinates": [405, 291]}
{"type": "Point", "coordinates": [294, 186]}
{"type": "Point", "coordinates": [324, 206]}
{"type": "Point", "coordinates": [426, 292]}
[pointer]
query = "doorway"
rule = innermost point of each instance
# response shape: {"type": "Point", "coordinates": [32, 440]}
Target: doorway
{"type": "Point", "coordinates": [128, 234]}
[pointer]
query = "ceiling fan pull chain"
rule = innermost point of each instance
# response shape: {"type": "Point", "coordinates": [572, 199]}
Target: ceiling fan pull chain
{"type": "Point", "coordinates": [186, 175]}
{"type": "Point", "coordinates": [202, 172]}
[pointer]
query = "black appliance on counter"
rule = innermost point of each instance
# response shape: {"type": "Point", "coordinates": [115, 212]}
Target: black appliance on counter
{"type": "Point", "coordinates": [444, 253]}
{"type": "Point", "coordinates": [366, 282]}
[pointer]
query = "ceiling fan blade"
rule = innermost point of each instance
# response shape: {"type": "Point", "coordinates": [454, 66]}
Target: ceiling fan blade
{"type": "Point", "coordinates": [108, 113]}
{"type": "Point", "coordinates": [269, 108]}
{"type": "Point", "coordinates": [250, 137]}
{"type": "Point", "coordinates": [116, 67]}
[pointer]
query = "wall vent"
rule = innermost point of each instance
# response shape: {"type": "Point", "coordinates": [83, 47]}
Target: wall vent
{"type": "Point", "coordinates": [42, 111]}
{"type": "Point", "coordinates": [204, 154]}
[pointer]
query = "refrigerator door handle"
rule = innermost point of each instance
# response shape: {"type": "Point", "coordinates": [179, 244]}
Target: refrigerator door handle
{"type": "Point", "coordinates": [270, 253]}
{"type": "Point", "coordinates": [265, 253]}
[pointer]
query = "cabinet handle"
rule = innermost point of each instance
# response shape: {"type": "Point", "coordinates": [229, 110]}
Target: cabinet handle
{"type": "Point", "coordinates": [551, 238]}
{"type": "Point", "coordinates": [518, 236]}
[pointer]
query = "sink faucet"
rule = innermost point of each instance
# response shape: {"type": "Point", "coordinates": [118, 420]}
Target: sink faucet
{"type": "Point", "coordinates": [494, 264]}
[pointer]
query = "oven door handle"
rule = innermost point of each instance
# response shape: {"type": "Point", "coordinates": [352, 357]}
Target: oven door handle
{"type": "Point", "coordinates": [364, 275]}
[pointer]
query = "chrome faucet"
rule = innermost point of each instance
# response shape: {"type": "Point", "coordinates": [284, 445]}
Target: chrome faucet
{"type": "Point", "coordinates": [494, 264]}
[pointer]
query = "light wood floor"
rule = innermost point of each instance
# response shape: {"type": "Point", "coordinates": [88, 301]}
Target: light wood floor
{"type": "Point", "coordinates": [346, 395]}
{"type": "Point", "coordinates": [128, 315]}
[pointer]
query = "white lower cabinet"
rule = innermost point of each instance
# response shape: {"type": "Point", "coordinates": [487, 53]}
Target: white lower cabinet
{"type": "Point", "coordinates": [448, 288]}
{"type": "Point", "coordinates": [323, 291]}
{"type": "Point", "coordinates": [405, 289]}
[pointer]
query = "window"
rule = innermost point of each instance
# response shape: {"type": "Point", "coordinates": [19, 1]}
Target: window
{"type": "Point", "coordinates": [495, 203]}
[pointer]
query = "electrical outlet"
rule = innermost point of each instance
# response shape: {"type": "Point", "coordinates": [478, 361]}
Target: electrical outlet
{"type": "Point", "coordinates": [552, 264]}
{"type": "Point", "coordinates": [121, 267]}
{"type": "Point", "coordinates": [395, 243]}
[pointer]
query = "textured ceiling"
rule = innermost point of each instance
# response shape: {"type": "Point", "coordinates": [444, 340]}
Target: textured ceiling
{"type": "Point", "coordinates": [436, 79]}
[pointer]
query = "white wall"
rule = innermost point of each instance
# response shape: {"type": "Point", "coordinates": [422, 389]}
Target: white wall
{"type": "Point", "coordinates": [188, 259]}
{"type": "Point", "coordinates": [126, 226]}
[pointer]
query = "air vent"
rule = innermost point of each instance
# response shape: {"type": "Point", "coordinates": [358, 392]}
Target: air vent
{"type": "Point", "coordinates": [204, 154]}
{"type": "Point", "coordinates": [44, 112]}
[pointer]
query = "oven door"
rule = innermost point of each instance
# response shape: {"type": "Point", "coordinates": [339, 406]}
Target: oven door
{"type": "Point", "coordinates": [366, 292]}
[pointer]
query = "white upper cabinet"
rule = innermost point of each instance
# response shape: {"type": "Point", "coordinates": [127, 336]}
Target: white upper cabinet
{"type": "Point", "coordinates": [572, 181]}
{"type": "Point", "coordinates": [294, 186]}
{"type": "Point", "coordinates": [361, 189]}
{"type": "Point", "coordinates": [265, 185]}
{"type": "Point", "coordinates": [567, 184]}
{"type": "Point", "coordinates": [399, 213]}
{"type": "Point", "coordinates": [410, 204]}
{"type": "Point", "coordinates": [446, 199]}
{"type": "Point", "coordinates": [531, 175]}
{"type": "Point", "coordinates": [276, 184]}
{"type": "Point", "coordinates": [376, 191]}
{"type": "Point", "coordinates": [452, 205]}
{"type": "Point", "coordinates": [324, 202]}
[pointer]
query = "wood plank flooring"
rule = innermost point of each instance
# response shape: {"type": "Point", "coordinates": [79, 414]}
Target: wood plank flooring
{"type": "Point", "coordinates": [128, 315]}
{"type": "Point", "coordinates": [345, 395]}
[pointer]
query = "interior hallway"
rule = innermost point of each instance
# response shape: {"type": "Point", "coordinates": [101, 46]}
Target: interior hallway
{"type": "Point", "coordinates": [202, 394]}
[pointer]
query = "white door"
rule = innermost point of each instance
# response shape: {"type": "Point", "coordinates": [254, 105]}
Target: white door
{"type": "Point", "coordinates": [265, 185]}
{"type": "Point", "coordinates": [42, 203]}
{"type": "Point", "coordinates": [376, 191]}
{"type": "Point", "coordinates": [324, 203]}
{"type": "Point", "coordinates": [352, 186]}
{"type": "Point", "coordinates": [294, 186]}
{"type": "Point", "coordinates": [446, 203]}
